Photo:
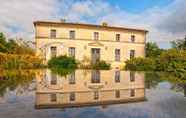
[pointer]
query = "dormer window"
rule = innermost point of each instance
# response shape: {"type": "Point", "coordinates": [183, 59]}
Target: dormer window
{"type": "Point", "coordinates": [96, 36]}
{"type": "Point", "coordinates": [53, 33]}
{"type": "Point", "coordinates": [133, 38]}
{"type": "Point", "coordinates": [118, 37]}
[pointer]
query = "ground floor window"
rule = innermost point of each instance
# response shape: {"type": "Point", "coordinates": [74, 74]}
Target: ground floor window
{"type": "Point", "coordinates": [117, 54]}
{"type": "Point", "coordinates": [71, 52]}
{"type": "Point", "coordinates": [132, 76]}
{"type": "Point", "coordinates": [117, 76]}
{"type": "Point", "coordinates": [95, 76]}
{"type": "Point", "coordinates": [53, 79]}
{"type": "Point", "coordinates": [72, 78]}
{"type": "Point", "coordinates": [53, 51]}
{"type": "Point", "coordinates": [132, 54]}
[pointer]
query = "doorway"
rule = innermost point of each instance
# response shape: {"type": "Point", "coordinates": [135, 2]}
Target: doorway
{"type": "Point", "coordinates": [95, 52]}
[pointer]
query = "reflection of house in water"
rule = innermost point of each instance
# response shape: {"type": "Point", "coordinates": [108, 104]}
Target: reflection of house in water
{"type": "Point", "coordinates": [88, 88]}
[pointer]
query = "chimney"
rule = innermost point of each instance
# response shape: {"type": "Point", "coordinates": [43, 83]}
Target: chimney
{"type": "Point", "coordinates": [105, 24]}
{"type": "Point", "coordinates": [63, 20]}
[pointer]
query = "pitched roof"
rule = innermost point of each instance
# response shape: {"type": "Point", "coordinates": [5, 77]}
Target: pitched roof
{"type": "Point", "coordinates": [50, 23]}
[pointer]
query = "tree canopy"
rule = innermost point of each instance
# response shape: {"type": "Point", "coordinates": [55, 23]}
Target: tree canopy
{"type": "Point", "coordinates": [179, 44]}
{"type": "Point", "coordinates": [10, 46]}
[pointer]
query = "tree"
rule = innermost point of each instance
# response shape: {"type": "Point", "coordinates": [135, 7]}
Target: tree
{"type": "Point", "coordinates": [179, 44]}
{"type": "Point", "coordinates": [152, 50]}
{"type": "Point", "coordinates": [2, 39]}
{"type": "Point", "coordinates": [11, 46]}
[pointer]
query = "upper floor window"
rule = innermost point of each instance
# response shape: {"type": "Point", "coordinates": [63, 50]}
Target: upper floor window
{"type": "Point", "coordinates": [117, 37]}
{"type": "Point", "coordinates": [96, 95]}
{"type": "Point", "coordinates": [117, 54]}
{"type": "Point", "coordinates": [132, 93]}
{"type": "Point", "coordinates": [96, 35]}
{"type": "Point", "coordinates": [72, 96]}
{"type": "Point", "coordinates": [72, 34]}
{"type": "Point", "coordinates": [117, 94]}
{"type": "Point", "coordinates": [53, 33]}
{"type": "Point", "coordinates": [71, 52]}
{"type": "Point", "coordinates": [132, 54]}
{"type": "Point", "coordinates": [53, 97]}
{"type": "Point", "coordinates": [133, 37]}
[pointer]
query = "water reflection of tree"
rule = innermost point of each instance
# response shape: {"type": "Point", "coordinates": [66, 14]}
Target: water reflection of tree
{"type": "Point", "coordinates": [177, 80]}
{"type": "Point", "coordinates": [10, 80]}
{"type": "Point", "coordinates": [152, 79]}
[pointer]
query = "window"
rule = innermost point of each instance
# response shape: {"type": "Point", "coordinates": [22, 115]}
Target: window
{"type": "Point", "coordinates": [96, 95]}
{"type": "Point", "coordinates": [132, 93]}
{"type": "Point", "coordinates": [117, 76]}
{"type": "Point", "coordinates": [132, 54]}
{"type": "Point", "coordinates": [53, 33]}
{"type": "Point", "coordinates": [53, 97]}
{"type": "Point", "coordinates": [95, 78]}
{"type": "Point", "coordinates": [72, 78]}
{"type": "Point", "coordinates": [132, 76]}
{"type": "Point", "coordinates": [117, 94]}
{"type": "Point", "coordinates": [72, 52]}
{"type": "Point", "coordinates": [117, 54]}
{"type": "Point", "coordinates": [96, 36]}
{"type": "Point", "coordinates": [117, 37]}
{"type": "Point", "coordinates": [133, 38]}
{"type": "Point", "coordinates": [72, 96]}
{"type": "Point", "coordinates": [72, 34]}
{"type": "Point", "coordinates": [53, 51]}
{"type": "Point", "coordinates": [53, 79]}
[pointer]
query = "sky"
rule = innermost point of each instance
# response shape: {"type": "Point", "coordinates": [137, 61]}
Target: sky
{"type": "Point", "coordinates": [164, 19]}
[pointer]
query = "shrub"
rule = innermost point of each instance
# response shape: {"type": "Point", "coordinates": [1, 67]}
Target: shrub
{"type": "Point", "coordinates": [101, 65]}
{"type": "Point", "coordinates": [14, 61]}
{"type": "Point", "coordinates": [62, 62]}
{"type": "Point", "coordinates": [171, 60]}
{"type": "Point", "coordinates": [140, 64]}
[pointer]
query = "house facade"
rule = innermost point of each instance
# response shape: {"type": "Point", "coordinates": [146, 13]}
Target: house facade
{"type": "Point", "coordinates": [89, 43]}
{"type": "Point", "coordinates": [88, 88]}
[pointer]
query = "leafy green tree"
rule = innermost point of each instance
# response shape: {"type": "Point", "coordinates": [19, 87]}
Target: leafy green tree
{"type": "Point", "coordinates": [10, 46]}
{"type": "Point", "coordinates": [63, 62]}
{"type": "Point", "coordinates": [179, 44]}
{"type": "Point", "coordinates": [3, 43]}
{"type": "Point", "coordinates": [152, 50]}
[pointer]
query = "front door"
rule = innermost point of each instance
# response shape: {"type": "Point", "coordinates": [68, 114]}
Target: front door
{"type": "Point", "coordinates": [95, 55]}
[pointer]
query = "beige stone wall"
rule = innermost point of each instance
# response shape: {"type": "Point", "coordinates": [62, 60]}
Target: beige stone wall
{"type": "Point", "coordinates": [84, 42]}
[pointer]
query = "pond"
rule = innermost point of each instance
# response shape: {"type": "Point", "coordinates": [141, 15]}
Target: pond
{"type": "Point", "coordinates": [91, 94]}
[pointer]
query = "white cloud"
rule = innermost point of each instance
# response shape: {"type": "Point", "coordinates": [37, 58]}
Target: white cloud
{"type": "Point", "coordinates": [164, 24]}
{"type": "Point", "coordinates": [17, 16]}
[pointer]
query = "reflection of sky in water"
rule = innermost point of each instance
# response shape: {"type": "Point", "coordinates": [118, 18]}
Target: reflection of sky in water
{"type": "Point", "coordinates": [164, 85]}
{"type": "Point", "coordinates": [165, 104]}
{"type": "Point", "coordinates": [162, 102]}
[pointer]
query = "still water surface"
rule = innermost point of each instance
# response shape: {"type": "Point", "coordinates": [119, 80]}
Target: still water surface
{"type": "Point", "coordinates": [90, 94]}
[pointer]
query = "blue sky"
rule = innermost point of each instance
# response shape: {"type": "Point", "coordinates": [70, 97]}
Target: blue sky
{"type": "Point", "coordinates": [165, 19]}
{"type": "Point", "coordinates": [136, 6]}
